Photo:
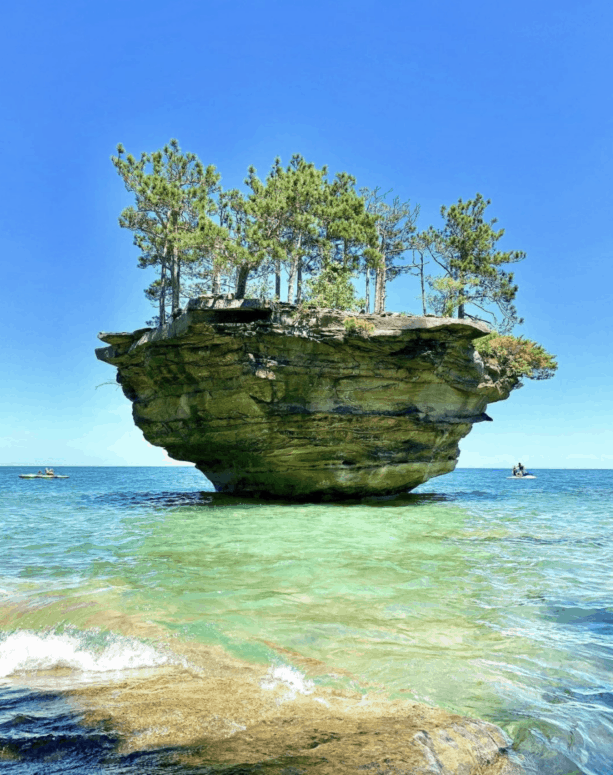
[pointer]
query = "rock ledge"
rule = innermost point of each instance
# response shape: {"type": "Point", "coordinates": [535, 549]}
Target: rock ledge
{"type": "Point", "coordinates": [274, 401]}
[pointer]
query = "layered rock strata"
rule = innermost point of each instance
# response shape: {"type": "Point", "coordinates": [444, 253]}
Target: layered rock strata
{"type": "Point", "coordinates": [273, 401]}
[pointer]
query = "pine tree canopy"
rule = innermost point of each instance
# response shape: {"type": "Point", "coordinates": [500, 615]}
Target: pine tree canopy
{"type": "Point", "coordinates": [465, 248]}
{"type": "Point", "coordinates": [315, 235]}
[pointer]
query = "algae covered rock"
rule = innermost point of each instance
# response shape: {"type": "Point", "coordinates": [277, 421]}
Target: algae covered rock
{"type": "Point", "coordinates": [275, 401]}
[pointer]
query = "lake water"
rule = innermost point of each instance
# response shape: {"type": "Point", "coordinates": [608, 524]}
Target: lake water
{"type": "Point", "coordinates": [484, 595]}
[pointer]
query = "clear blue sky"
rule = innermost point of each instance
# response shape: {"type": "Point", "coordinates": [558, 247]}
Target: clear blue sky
{"type": "Point", "coordinates": [436, 100]}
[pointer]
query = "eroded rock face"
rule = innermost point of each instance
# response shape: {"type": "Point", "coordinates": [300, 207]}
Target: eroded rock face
{"type": "Point", "coordinates": [272, 402]}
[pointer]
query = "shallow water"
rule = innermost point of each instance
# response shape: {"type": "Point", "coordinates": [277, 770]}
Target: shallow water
{"type": "Point", "coordinates": [484, 595]}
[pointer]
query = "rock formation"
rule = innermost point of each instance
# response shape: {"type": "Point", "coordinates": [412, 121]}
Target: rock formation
{"type": "Point", "coordinates": [216, 717]}
{"type": "Point", "coordinates": [275, 401]}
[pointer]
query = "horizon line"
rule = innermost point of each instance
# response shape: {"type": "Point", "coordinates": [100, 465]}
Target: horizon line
{"type": "Point", "coordinates": [192, 465]}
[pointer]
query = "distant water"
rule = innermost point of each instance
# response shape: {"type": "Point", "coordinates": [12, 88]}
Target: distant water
{"type": "Point", "coordinates": [484, 595]}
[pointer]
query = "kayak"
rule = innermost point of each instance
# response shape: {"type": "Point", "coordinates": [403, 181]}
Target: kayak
{"type": "Point", "coordinates": [42, 476]}
{"type": "Point", "coordinates": [525, 476]}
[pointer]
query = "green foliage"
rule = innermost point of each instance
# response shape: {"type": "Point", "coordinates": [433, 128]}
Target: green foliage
{"type": "Point", "coordinates": [333, 289]}
{"type": "Point", "coordinates": [303, 222]}
{"type": "Point", "coordinates": [449, 294]}
{"type": "Point", "coordinates": [395, 225]}
{"type": "Point", "coordinates": [259, 287]}
{"type": "Point", "coordinates": [358, 326]}
{"type": "Point", "coordinates": [322, 232]}
{"type": "Point", "coordinates": [465, 248]}
{"type": "Point", "coordinates": [517, 356]}
{"type": "Point", "coordinates": [173, 192]}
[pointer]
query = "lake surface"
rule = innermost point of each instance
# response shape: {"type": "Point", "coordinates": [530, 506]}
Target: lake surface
{"type": "Point", "coordinates": [484, 595]}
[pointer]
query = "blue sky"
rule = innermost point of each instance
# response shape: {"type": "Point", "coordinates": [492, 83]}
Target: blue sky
{"type": "Point", "coordinates": [435, 100]}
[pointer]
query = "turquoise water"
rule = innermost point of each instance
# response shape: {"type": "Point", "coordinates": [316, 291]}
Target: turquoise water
{"type": "Point", "coordinates": [488, 596]}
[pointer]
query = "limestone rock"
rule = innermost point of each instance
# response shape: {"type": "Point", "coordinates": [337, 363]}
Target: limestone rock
{"type": "Point", "coordinates": [216, 714]}
{"type": "Point", "coordinates": [273, 401]}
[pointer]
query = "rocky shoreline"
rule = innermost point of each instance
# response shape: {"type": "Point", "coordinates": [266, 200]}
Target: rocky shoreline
{"type": "Point", "coordinates": [224, 716]}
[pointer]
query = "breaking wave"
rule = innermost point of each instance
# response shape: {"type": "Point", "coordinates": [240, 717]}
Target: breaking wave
{"type": "Point", "coordinates": [26, 651]}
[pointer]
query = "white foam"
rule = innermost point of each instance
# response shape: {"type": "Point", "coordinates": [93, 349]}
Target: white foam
{"type": "Point", "coordinates": [27, 651]}
{"type": "Point", "coordinates": [289, 678]}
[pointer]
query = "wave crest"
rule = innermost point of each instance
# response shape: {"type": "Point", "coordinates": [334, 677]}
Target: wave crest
{"type": "Point", "coordinates": [26, 651]}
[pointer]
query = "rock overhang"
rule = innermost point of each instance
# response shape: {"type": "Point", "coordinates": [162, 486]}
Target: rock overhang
{"type": "Point", "coordinates": [273, 400]}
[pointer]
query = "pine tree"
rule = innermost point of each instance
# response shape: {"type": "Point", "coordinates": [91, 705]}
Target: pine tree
{"type": "Point", "coordinates": [173, 193]}
{"type": "Point", "coordinates": [465, 248]}
{"type": "Point", "coordinates": [347, 236]}
{"type": "Point", "coordinates": [283, 211]}
{"type": "Point", "coordinates": [395, 224]}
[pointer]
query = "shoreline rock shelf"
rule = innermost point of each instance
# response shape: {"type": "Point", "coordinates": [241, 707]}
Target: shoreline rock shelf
{"type": "Point", "coordinates": [271, 400]}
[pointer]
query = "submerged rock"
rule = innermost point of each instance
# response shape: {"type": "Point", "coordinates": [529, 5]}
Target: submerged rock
{"type": "Point", "coordinates": [213, 713]}
{"type": "Point", "coordinates": [274, 401]}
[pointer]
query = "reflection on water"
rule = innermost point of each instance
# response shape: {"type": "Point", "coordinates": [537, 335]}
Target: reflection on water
{"type": "Point", "coordinates": [167, 500]}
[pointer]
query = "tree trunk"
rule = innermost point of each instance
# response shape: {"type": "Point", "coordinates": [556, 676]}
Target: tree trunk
{"type": "Point", "coordinates": [241, 281]}
{"type": "Point", "coordinates": [375, 306]}
{"type": "Point", "coordinates": [278, 279]}
{"type": "Point", "coordinates": [423, 289]}
{"type": "Point", "coordinates": [175, 280]}
{"type": "Point", "coordinates": [367, 294]}
{"type": "Point", "coordinates": [291, 280]}
{"type": "Point", "coordinates": [162, 299]}
{"type": "Point", "coordinates": [299, 282]}
{"type": "Point", "coordinates": [295, 263]}
{"type": "Point", "coordinates": [216, 282]}
{"type": "Point", "coordinates": [380, 277]}
{"type": "Point", "coordinates": [458, 292]}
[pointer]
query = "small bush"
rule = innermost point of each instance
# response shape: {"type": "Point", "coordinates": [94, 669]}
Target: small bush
{"type": "Point", "coordinates": [518, 357]}
{"type": "Point", "coordinates": [358, 327]}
